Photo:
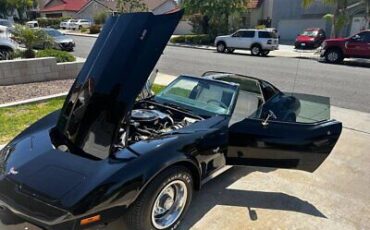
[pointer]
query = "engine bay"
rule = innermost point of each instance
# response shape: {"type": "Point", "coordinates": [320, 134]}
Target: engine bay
{"type": "Point", "coordinates": [150, 120]}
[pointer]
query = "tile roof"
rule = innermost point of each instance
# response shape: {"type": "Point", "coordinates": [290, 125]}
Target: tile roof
{"type": "Point", "coordinates": [65, 5]}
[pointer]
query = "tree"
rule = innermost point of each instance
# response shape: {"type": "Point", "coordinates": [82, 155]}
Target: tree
{"type": "Point", "coordinates": [30, 38]}
{"type": "Point", "coordinates": [7, 7]}
{"type": "Point", "coordinates": [339, 17]}
{"type": "Point", "coordinates": [128, 6]}
{"type": "Point", "coordinates": [215, 13]}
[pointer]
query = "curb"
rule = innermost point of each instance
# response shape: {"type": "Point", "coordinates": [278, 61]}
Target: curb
{"type": "Point", "coordinates": [81, 35]}
{"type": "Point", "coordinates": [36, 99]}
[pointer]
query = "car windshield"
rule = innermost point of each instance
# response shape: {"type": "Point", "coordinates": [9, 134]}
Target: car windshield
{"type": "Point", "coordinates": [202, 96]}
{"type": "Point", "coordinates": [54, 33]}
{"type": "Point", "coordinates": [311, 33]}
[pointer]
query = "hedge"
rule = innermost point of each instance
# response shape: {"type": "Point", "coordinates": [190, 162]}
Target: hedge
{"type": "Point", "coordinates": [61, 56]}
{"type": "Point", "coordinates": [95, 29]}
{"type": "Point", "coordinates": [201, 39]}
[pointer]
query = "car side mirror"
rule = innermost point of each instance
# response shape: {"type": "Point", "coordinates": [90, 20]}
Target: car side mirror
{"type": "Point", "coordinates": [356, 38]}
{"type": "Point", "coordinates": [269, 116]}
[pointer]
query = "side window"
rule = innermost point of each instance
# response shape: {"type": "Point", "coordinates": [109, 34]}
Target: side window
{"type": "Point", "coordinates": [248, 34]}
{"type": "Point", "coordinates": [264, 34]}
{"type": "Point", "coordinates": [268, 91]}
{"type": "Point", "coordinates": [367, 36]}
{"type": "Point", "coordinates": [237, 34]}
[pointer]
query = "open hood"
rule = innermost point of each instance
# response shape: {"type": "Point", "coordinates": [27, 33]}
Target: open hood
{"type": "Point", "coordinates": [98, 105]}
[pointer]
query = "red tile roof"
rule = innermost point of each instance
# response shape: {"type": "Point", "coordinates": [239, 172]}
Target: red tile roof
{"type": "Point", "coordinates": [254, 4]}
{"type": "Point", "coordinates": [65, 5]}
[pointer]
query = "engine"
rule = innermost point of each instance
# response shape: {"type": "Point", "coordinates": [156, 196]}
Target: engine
{"type": "Point", "coordinates": [149, 123]}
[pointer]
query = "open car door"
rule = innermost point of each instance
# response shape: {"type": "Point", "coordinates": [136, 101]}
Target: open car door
{"type": "Point", "coordinates": [277, 144]}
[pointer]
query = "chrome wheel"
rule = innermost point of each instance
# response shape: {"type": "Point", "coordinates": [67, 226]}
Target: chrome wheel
{"type": "Point", "coordinates": [169, 204]}
{"type": "Point", "coordinates": [221, 47]}
{"type": "Point", "coordinates": [332, 56]}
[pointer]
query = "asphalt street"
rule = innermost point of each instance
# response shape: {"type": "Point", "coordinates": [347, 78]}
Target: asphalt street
{"type": "Point", "coordinates": [346, 85]}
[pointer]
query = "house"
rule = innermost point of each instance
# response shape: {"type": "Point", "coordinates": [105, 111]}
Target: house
{"type": "Point", "coordinates": [88, 8]}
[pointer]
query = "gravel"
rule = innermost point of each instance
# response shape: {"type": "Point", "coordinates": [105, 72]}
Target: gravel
{"type": "Point", "coordinates": [31, 90]}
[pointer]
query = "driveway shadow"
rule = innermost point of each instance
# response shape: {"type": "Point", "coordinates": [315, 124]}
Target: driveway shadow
{"type": "Point", "coordinates": [216, 192]}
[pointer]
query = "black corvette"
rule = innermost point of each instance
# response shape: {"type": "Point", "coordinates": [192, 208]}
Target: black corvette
{"type": "Point", "coordinates": [111, 153]}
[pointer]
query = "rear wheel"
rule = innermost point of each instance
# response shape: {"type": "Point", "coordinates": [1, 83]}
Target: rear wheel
{"type": "Point", "coordinates": [80, 27]}
{"type": "Point", "coordinates": [334, 56]}
{"type": "Point", "coordinates": [163, 203]}
{"type": "Point", "coordinates": [221, 47]}
{"type": "Point", "coordinates": [256, 50]}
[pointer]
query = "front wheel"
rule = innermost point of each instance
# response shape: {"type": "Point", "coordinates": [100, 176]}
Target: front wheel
{"type": "Point", "coordinates": [163, 203]}
{"type": "Point", "coordinates": [221, 47]}
{"type": "Point", "coordinates": [333, 56]}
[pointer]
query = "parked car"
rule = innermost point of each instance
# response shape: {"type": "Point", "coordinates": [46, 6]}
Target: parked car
{"type": "Point", "coordinates": [61, 41]}
{"type": "Point", "coordinates": [79, 24]}
{"type": "Point", "coordinates": [65, 25]}
{"type": "Point", "coordinates": [32, 24]}
{"type": "Point", "coordinates": [7, 23]}
{"type": "Point", "coordinates": [311, 38]}
{"type": "Point", "coordinates": [259, 42]}
{"type": "Point", "coordinates": [7, 47]}
{"type": "Point", "coordinates": [108, 153]}
{"type": "Point", "coordinates": [356, 46]}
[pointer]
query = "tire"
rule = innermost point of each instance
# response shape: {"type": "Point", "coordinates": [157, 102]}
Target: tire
{"type": "Point", "coordinates": [264, 53]}
{"type": "Point", "coordinates": [5, 53]}
{"type": "Point", "coordinates": [80, 27]}
{"type": "Point", "coordinates": [141, 215]}
{"type": "Point", "coordinates": [221, 47]}
{"type": "Point", "coordinates": [333, 56]}
{"type": "Point", "coordinates": [256, 50]}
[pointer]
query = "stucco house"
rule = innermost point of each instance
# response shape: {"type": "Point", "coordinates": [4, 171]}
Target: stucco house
{"type": "Point", "coordinates": [88, 8]}
{"type": "Point", "coordinates": [290, 18]}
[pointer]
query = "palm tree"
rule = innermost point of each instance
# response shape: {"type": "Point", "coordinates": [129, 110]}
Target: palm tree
{"type": "Point", "coordinates": [338, 18]}
{"type": "Point", "coordinates": [31, 37]}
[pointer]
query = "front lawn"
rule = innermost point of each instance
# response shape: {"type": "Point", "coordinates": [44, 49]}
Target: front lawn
{"type": "Point", "coordinates": [16, 118]}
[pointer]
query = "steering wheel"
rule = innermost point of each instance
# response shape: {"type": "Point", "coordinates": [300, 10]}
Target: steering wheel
{"type": "Point", "coordinates": [218, 102]}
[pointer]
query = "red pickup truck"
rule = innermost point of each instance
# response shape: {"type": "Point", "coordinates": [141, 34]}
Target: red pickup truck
{"type": "Point", "coordinates": [356, 46]}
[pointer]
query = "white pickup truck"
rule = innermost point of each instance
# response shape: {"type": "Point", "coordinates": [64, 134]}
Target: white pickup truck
{"type": "Point", "coordinates": [259, 42]}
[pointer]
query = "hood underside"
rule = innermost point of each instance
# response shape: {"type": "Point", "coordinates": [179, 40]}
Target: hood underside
{"type": "Point", "coordinates": [115, 72]}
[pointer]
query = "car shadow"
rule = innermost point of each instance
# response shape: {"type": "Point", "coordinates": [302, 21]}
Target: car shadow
{"type": "Point", "coordinates": [244, 54]}
{"type": "Point", "coordinates": [216, 192]}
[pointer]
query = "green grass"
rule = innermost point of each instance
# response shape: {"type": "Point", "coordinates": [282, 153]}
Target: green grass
{"type": "Point", "coordinates": [16, 118]}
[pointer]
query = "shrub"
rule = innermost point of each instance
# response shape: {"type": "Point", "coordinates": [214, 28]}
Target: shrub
{"type": "Point", "coordinates": [61, 56]}
{"type": "Point", "coordinates": [201, 39]}
{"type": "Point", "coordinates": [95, 29]}
{"type": "Point", "coordinates": [30, 37]}
{"type": "Point", "coordinates": [100, 18]}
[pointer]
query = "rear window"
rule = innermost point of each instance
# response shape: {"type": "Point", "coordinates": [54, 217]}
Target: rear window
{"type": "Point", "coordinates": [267, 34]}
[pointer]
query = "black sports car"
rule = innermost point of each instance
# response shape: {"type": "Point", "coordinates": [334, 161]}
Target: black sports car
{"type": "Point", "coordinates": [110, 153]}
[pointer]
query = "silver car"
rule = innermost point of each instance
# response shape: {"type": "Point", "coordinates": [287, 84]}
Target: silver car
{"type": "Point", "coordinates": [61, 41]}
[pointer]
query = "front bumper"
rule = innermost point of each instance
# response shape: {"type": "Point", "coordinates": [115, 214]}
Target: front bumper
{"type": "Point", "coordinates": [11, 216]}
{"type": "Point", "coordinates": [306, 45]}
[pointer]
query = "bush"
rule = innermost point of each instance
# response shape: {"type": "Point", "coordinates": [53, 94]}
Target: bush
{"type": "Point", "coordinates": [95, 29]}
{"type": "Point", "coordinates": [100, 18]}
{"type": "Point", "coordinates": [51, 22]}
{"type": "Point", "coordinates": [201, 39]}
{"type": "Point", "coordinates": [61, 56]}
